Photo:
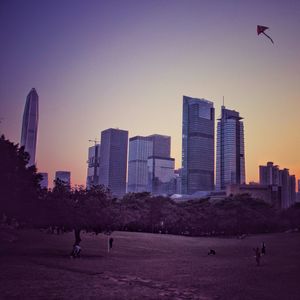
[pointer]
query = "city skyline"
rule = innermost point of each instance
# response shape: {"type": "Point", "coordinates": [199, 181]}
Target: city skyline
{"type": "Point", "coordinates": [128, 64]}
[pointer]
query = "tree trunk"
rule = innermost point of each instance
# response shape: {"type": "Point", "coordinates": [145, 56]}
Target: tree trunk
{"type": "Point", "coordinates": [77, 236]}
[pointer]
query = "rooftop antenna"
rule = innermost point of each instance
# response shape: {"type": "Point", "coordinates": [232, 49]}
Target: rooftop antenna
{"type": "Point", "coordinates": [223, 101]}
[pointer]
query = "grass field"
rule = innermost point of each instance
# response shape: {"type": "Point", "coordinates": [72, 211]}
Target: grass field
{"type": "Point", "coordinates": [36, 265]}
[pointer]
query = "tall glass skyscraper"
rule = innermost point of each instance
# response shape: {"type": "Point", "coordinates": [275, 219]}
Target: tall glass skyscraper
{"type": "Point", "coordinates": [230, 149]}
{"type": "Point", "coordinates": [30, 125]}
{"type": "Point", "coordinates": [141, 148]}
{"type": "Point", "coordinates": [113, 160]}
{"type": "Point", "coordinates": [198, 125]}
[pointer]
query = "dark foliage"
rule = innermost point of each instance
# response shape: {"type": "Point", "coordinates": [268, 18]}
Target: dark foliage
{"type": "Point", "coordinates": [96, 210]}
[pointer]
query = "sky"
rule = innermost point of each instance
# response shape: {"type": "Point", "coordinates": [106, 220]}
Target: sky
{"type": "Point", "coordinates": [127, 63]}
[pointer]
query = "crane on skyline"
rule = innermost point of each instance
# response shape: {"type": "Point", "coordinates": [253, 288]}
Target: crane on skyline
{"type": "Point", "coordinates": [95, 141]}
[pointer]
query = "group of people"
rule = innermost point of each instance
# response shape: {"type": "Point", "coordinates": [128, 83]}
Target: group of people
{"type": "Point", "coordinates": [75, 253]}
{"type": "Point", "coordinates": [259, 252]}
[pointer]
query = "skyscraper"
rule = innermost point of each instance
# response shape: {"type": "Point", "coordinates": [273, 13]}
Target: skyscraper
{"type": "Point", "coordinates": [93, 161]}
{"type": "Point", "coordinates": [161, 145]}
{"type": "Point", "coordinates": [230, 167]}
{"type": "Point", "coordinates": [140, 174]}
{"type": "Point", "coordinates": [30, 125]}
{"type": "Point", "coordinates": [197, 145]}
{"type": "Point", "coordinates": [113, 160]}
{"type": "Point", "coordinates": [160, 174]}
{"type": "Point", "coordinates": [140, 148]}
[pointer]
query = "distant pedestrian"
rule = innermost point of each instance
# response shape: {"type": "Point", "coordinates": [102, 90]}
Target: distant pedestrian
{"type": "Point", "coordinates": [211, 252]}
{"type": "Point", "coordinates": [257, 256]}
{"type": "Point", "coordinates": [76, 251]}
{"type": "Point", "coordinates": [111, 240]}
{"type": "Point", "coordinates": [263, 249]}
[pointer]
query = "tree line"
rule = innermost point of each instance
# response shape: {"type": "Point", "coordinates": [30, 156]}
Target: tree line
{"type": "Point", "coordinates": [96, 210]}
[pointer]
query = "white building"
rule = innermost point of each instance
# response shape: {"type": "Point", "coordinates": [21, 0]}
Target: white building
{"type": "Point", "coordinates": [140, 148]}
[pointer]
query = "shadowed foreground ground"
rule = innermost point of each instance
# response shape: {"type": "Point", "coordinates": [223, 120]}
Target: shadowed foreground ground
{"type": "Point", "coordinates": [36, 265]}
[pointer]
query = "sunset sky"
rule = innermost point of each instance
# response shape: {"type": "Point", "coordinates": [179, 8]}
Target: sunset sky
{"type": "Point", "coordinates": [127, 64]}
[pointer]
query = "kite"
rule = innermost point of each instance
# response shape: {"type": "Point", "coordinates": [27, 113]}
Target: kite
{"type": "Point", "coordinates": [262, 29]}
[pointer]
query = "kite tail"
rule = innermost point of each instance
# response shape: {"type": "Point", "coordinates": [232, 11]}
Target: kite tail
{"type": "Point", "coordinates": [268, 37]}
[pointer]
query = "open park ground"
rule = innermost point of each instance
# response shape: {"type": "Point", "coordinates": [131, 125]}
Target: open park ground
{"type": "Point", "coordinates": [36, 265]}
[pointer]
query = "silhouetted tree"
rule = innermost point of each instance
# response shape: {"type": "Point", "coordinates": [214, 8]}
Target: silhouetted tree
{"type": "Point", "coordinates": [19, 184]}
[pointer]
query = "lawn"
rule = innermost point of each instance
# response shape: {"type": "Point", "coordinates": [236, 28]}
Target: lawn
{"type": "Point", "coordinates": [36, 265]}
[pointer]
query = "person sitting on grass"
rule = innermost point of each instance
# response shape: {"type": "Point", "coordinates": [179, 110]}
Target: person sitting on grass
{"type": "Point", "coordinates": [211, 252]}
{"type": "Point", "coordinates": [76, 251]}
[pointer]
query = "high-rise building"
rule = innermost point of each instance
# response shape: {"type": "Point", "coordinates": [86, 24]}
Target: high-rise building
{"type": "Point", "coordinates": [140, 148]}
{"type": "Point", "coordinates": [272, 175]}
{"type": "Point", "coordinates": [44, 181]}
{"type": "Point", "coordinates": [197, 145]}
{"type": "Point", "coordinates": [230, 167]}
{"type": "Point", "coordinates": [160, 175]}
{"type": "Point", "coordinates": [64, 176]}
{"type": "Point", "coordinates": [269, 174]}
{"type": "Point", "coordinates": [113, 160]}
{"type": "Point", "coordinates": [30, 125]}
{"type": "Point", "coordinates": [161, 145]}
{"type": "Point", "coordinates": [93, 161]}
{"type": "Point", "coordinates": [293, 198]}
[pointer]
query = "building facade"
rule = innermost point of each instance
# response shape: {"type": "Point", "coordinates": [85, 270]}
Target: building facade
{"type": "Point", "coordinates": [270, 174]}
{"type": "Point", "coordinates": [64, 176]}
{"type": "Point", "coordinates": [113, 160]}
{"type": "Point", "coordinates": [198, 125]}
{"type": "Point", "coordinates": [140, 148]}
{"type": "Point", "coordinates": [44, 181]}
{"type": "Point", "coordinates": [230, 168]}
{"type": "Point", "coordinates": [93, 162]}
{"type": "Point", "coordinates": [30, 125]}
{"type": "Point", "coordinates": [161, 175]}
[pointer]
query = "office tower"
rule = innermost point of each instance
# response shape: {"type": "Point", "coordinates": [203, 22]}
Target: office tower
{"type": "Point", "coordinates": [140, 148]}
{"type": "Point", "coordinates": [113, 160]}
{"type": "Point", "coordinates": [64, 176]}
{"type": "Point", "coordinates": [197, 145]}
{"type": "Point", "coordinates": [30, 125]}
{"type": "Point", "coordinates": [161, 174]}
{"type": "Point", "coordinates": [230, 167]}
{"type": "Point", "coordinates": [161, 145]}
{"type": "Point", "coordinates": [93, 161]}
{"type": "Point", "coordinates": [44, 181]}
{"type": "Point", "coordinates": [298, 185]}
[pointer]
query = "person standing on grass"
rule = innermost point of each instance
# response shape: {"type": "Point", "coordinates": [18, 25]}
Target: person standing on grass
{"type": "Point", "coordinates": [257, 255]}
{"type": "Point", "coordinates": [263, 249]}
{"type": "Point", "coordinates": [111, 240]}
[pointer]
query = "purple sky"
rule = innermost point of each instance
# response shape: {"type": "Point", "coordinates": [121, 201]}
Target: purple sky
{"type": "Point", "coordinates": [126, 64]}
